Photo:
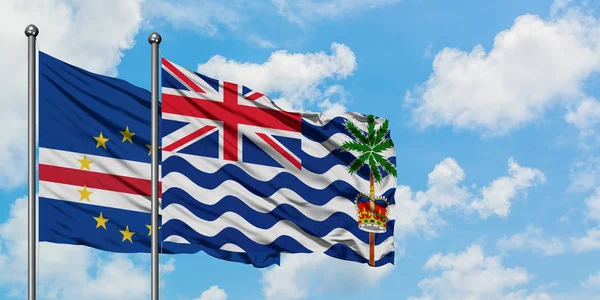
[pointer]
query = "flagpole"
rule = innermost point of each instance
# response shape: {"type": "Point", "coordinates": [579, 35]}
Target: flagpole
{"type": "Point", "coordinates": [154, 39]}
{"type": "Point", "coordinates": [31, 32]}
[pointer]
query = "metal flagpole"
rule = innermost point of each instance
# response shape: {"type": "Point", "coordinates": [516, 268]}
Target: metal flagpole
{"type": "Point", "coordinates": [31, 32]}
{"type": "Point", "coordinates": [154, 39]}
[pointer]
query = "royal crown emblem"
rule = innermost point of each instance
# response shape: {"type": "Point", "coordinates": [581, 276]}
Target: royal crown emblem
{"type": "Point", "coordinates": [372, 213]}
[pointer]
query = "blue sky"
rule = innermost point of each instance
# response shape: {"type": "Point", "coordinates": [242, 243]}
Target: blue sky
{"type": "Point", "coordinates": [493, 113]}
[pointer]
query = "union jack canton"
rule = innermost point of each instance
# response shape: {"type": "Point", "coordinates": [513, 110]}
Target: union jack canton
{"type": "Point", "coordinates": [230, 112]}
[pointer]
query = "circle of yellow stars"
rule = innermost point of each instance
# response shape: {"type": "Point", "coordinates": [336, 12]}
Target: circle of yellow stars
{"type": "Point", "coordinates": [85, 194]}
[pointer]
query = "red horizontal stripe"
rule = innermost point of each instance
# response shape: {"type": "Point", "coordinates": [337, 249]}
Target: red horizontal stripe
{"type": "Point", "coordinates": [96, 180]}
{"type": "Point", "coordinates": [240, 114]}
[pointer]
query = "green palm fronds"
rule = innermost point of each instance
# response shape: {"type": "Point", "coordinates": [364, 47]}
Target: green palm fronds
{"type": "Point", "coordinates": [358, 163]}
{"type": "Point", "coordinates": [356, 146]}
{"type": "Point", "coordinates": [382, 131]}
{"type": "Point", "coordinates": [385, 164]}
{"type": "Point", "coordinates": [374, 169]}
{"type": "Point", "coordinates": [356, 132]}
{"type": "Point", "coordinates": [370, 145]}
{"type": "Point", "coordinates": [384, 145]}
{"type": "Point", "coordinates": [371, 128]}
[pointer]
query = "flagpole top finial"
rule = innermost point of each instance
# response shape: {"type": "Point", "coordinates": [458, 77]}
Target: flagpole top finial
{"type": "Point", "coordinates": [31, 30]}
{"type": "Point", "coordinates": [154, 38]}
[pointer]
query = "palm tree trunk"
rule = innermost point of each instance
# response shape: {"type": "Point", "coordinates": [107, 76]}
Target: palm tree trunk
{"type": "Point", "coordinates": [371, 234]}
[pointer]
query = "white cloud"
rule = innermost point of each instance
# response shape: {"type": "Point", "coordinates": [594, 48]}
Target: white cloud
{"type": "Point", "coordinates": [302, 275]}
{"type": "Point", "coordinates": [413, 214]}
{"type": "Point", "coordinates": [589, 242]}
{"type": "Point", "coordinates": [559, 6]}
{"type": "Point", "coordinates": [262, 43]}
{"type": "Point", "coordinates": [420, 211]}
{"type": "Point", "coordinates": [332, 108]}
{"type": "Point", "coordinates": [210, 18]}
{"type": "Point", "coordinates": [532, 239]}
{"type": "Point", "coordinates": [68, 271]}
{"type": "Point", "coordinates": [472, 275]}
{"type": "Point", "coordinates": [532, 66]}
{"type": "Point", "coordinates": [524, 295]}
{"type": "Point", "coordinates": [297, 77]}
{"type": "Point", "coordinates": [90, 34]}
{"type": "Point", "coordinates": [498, 195]}
{"type": "Point", "coordinates": [592, 282]}
{"type": "Point", "coordinates": [168, 266]}
{"type": "Point", "coordinates": [443, 182]}
{"type": "Point", "coordinates": [593, 206]}
{"type": "Point", "coordinates": [164, 269]}
{"type": "Point", "coordinates": [205, 17]}
{"type": "Point", "coordinates": [118, 278]}
{"type": "Point", "coordinates": [334, 101]}
{"type": "Point", "coordinates": [585, 116]}
{"type": "Point", "coordinates": [585, 174]}
{"type": "Point", "coordinates": [213, 293]}
{"type": "Point", "coordinates": [428, 52]}
{"type": "Point", "coordinates": [301, 11]}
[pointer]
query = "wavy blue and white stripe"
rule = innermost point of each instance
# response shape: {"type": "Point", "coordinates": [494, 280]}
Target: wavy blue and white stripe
{"type": "Point", "coordinates": [251, 213]}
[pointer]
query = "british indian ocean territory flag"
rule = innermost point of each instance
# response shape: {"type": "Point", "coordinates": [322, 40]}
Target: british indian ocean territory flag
{"type": "Point", "coordinates": [246, 181]}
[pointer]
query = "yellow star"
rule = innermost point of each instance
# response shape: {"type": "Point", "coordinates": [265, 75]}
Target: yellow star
{"type": "Point", "coordinates": [85, 163]}
{"type": "Point", "coordinates": [150, 229]}
{"type": "Point", "coordinates": [150, 148]}
{"type": "Point", "coordinates": [127, 234]}
{"type": "Point", "coordinates": [85, 194]}
{"type": "Point", "coordinates": [127, 135]}
{"type": "Point", "coordinates": [101, 141]}
{"type": "Point", "coordinates": [101, 221]}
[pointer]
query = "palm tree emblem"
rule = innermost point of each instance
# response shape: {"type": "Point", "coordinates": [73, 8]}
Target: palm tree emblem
{"type": "Point", "coordinates": [372, 211]}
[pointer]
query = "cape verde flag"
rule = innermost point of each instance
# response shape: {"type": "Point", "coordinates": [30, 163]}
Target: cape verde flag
{"type": "Point", "coordinates": [240, 175]}
{"type": "Point", "coordinates": [94, 160]}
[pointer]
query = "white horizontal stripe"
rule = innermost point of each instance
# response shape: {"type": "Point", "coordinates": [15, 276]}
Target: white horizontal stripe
{"type": "Point", "coordinates": [266, 173]}
{"type": "Point", "coordinates": [101, 164]}
{"type": "Point", "coordinates": [98, 197]}
{"type": "Point", "coordinates": [281, 228]}
{"type": "Point", "coordinates": [176, 239]}
{"type": "Point", "coordinates": [320, 119]}
{"type": "Point", "coordinates": [232, 248]}
{"type": "Point", "coordinates": [320, 150]}
{"type": "Point", "coordinates": [260, 204]}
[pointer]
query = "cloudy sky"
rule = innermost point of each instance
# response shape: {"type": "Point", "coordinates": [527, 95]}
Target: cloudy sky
{"type": "Point", "coordinates": [493, 108]}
